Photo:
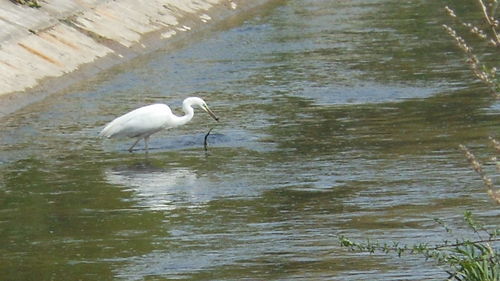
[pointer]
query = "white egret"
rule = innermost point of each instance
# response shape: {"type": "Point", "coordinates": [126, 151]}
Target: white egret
{"type": "Point", "coordinates": [142, 122]}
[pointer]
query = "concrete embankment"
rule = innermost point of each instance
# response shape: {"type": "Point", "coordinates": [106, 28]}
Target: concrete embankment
{"type": "Point", "coordinates": [63, 35]}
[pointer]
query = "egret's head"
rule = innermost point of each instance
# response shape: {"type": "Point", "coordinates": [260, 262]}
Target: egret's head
{"type": "Point", "coordinates": [201, 103]}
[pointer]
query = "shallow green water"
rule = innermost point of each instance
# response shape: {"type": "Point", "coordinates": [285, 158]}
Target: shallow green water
{"type": "Point", "coordinates": [338, 117]}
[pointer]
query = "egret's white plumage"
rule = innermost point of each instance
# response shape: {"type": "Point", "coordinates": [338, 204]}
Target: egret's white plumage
{"type": "Point", "coordinates": [141, 123]}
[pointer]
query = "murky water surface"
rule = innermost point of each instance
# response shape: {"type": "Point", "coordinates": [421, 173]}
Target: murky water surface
{"type": "Point", "coordinates": [338, 117]}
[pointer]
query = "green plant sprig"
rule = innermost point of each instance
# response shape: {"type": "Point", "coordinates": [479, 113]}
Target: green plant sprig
{"type": "Point", "coordinates": [467, 259]}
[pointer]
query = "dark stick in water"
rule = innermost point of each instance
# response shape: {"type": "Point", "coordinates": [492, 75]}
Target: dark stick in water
{"type": "Point", "coordinates": [205, 143]}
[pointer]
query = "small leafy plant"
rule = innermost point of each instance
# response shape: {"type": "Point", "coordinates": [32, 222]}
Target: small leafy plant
{"type": "Point", "coordinates": [464, 259]}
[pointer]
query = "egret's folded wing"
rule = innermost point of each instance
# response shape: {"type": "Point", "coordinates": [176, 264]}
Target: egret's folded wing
{"type": "Point", "coordinates": [142, 121]}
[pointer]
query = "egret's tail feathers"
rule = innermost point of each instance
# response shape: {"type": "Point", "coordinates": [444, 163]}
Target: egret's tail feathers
{"type": "Point", "coordinates": [107, 132]}
{"type": "Point", "coordinates": [120, 127]}
{"type": "Point", "coordinates": [103, 134]}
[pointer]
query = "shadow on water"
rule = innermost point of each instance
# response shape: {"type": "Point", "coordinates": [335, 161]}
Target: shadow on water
{"type": "Point", "coordinates": [171, 141]}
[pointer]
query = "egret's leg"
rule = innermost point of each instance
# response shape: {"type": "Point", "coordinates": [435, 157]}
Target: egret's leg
{"type": "Point", "coordinates": [146, 139]}
{"type": "Point", "coordinates": [130, 149]}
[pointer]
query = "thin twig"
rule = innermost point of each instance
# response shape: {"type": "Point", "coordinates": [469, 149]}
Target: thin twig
{"type": "Point", "coordinates": [490, 21]}
{"type": "Point", "coordinates": [465, 243]}
{"type": "Point", "coordinates": [488, 183]}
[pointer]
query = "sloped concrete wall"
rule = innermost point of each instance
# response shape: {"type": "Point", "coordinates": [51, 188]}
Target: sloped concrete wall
{"type": "Point", "coordinates": [62, 35]}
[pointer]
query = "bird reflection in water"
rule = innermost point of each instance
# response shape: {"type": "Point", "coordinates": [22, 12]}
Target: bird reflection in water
{"type": "Point", "coordinates": [157, 188]}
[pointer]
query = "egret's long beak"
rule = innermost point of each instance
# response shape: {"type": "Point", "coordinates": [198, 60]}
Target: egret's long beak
{"type": "Point", "coordinates": [210, 112]}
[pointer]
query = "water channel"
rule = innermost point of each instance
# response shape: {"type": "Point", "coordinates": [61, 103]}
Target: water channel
{"type": "Point", "coordinates": [337, 118]}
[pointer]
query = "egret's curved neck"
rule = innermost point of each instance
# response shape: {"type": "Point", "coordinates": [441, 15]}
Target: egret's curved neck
{"type": "Point", "coordinates": [189, 112]}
